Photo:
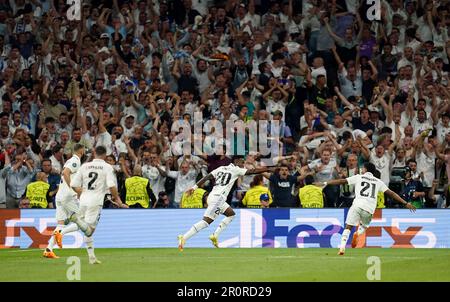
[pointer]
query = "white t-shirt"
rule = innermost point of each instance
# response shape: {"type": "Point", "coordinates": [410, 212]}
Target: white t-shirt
{"type": "Point", "coordinates": [95, 178]}
{"type": "Point", "coordinates": [64, 191]}
{"type": "Point", "coordinates": [394, 133]}
{"type": "Point", "coordinates": [382, 164]}
{"type": "Point", "coordinates": [273, 106]}
{"type": "Point", "coordinates": [441, 131]}
{"type": "Point", "coordinates": [420, 127]}
{"type": "Point", "coordinates": [225, 177]}
{"type": "Point", "coordinates": [366, 190]}
{"type": "Point", "coordinates": [327, 172]}
{"type": "Point", "coordinates": [56, 165]}
{"type": "Point", "coordinates": [155, 179]}
{"type": "Point", "coordinates": [183, 182]}
{"type": "Point", "coordinates": [426, 164]}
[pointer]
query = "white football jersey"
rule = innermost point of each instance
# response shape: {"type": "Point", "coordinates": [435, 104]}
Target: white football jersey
{"type": "Point", "coordinates": [367, 187]}
{"type": "Point", "coordinates": [225, 177]}
{"type": "Point", "coordinates": [95, 178]}
{"type": "Point", "coordinates": [64, 191]}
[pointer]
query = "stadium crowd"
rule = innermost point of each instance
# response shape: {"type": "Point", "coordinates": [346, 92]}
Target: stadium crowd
{"type": "Point", "coordinates": [345, 89]}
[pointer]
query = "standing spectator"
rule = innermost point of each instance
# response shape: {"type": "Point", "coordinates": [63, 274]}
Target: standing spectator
{"type": "Point", "coordinates": [53, 179]}
{"type": "Point", "coordinates": [18, 175]}
{"type": "Point", "coordinates": [324, 170]}
{"type": "Point", "coordinates": [185, 178]}
{"type": "Point", "coordinates": [57, 158]}
{"type": "Point", "coordinates": [282, 184]}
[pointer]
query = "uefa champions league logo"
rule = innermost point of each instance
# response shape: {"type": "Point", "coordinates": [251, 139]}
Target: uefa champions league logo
{"type": "Point", "coordinates": [74, 11]}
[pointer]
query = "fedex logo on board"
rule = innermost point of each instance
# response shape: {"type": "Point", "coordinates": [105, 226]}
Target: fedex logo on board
{"type": "Point", "coordinates": [305, 231]}
{"type": "Point", "coordinates": [28, 232]}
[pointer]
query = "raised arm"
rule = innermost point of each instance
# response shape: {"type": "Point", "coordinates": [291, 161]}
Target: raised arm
{"type": "Point", "coordinates": [331, 32]}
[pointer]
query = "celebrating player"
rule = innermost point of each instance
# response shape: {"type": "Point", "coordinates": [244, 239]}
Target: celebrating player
{"type": "Point", "coordinates": [92, 182]}
{"type": "Point", "coordinates": [224, 178]}
{"type": "Point", "coordinates": [66, 202]}
{"type": "Point", "coordinates": [360, 213]}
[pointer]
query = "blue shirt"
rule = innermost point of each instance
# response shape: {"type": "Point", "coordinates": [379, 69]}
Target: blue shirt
{"type": "Point", "coordinates": [17, 180]}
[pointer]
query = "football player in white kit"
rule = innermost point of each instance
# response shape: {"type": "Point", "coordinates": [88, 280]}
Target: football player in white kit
{"type": "Point", "coordinates": [66, 202]}
{"type": "Point", "coordinates": [224, 178]}
{"type": "Point", "coordinates": [360, 213]}
{"type": "Point", "coordinates": [93, 181]}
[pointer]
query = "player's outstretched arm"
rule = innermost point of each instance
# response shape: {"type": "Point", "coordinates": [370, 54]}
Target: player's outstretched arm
{"type": "Point", "coordinates": [332, 182]}
{"type": "Point", "coordinates": [397, 198]}
{"type": "Point", "coordinates": [259, 170]}
{"type": "Point", "coordinates": [200, 183]}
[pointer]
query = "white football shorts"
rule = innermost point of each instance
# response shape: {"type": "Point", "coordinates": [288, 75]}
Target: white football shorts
{"type": "Point", "coordinates": [90, 214]}
{"type": "Point", "coordinates": [216, 205]}
{"type": "Point", "coordinates": [65, 208]}
{"type": "Point", "coordinates": [357, 216]}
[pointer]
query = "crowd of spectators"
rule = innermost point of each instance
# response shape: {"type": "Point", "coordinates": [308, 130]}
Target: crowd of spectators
{"type": "Point", "coordinates": [344, 88]}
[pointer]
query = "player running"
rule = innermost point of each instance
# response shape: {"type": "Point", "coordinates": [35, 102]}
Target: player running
{"type": "Point", "coordinates": [92, 182]}
{"type": "Point", "coordinates": [224, 178]}
{"type": "Point", "coordinates": [360, 213]}
{"type": "Point", "coordinates": [66, 202]}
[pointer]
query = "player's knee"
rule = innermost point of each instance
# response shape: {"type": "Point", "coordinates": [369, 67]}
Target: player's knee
{"type": "Point", "coordinates": [208, 220]}
{"type": "Point", "coordinates": [229, 212]}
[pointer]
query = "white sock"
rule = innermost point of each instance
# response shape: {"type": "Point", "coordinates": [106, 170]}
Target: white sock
{"type": "Point", "coordinates": [81, 223]}
{"type": "Point", "coordinates": [89, 246]}
{"type": "Point", "coordinates": [51, 242]}
{"type": "Point", "coordinates": [361, 229]}
{"type": "Point", "coordinates": [223, 225]}
{"type": "Point", "coordinates": [69, 229]}
{"type": "Point", "coordinates": [195, 229]}
{"type": "Point", "coordinates": [344, 238]}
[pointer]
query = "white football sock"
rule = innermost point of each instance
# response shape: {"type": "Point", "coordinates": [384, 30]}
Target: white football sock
{"type": "Point", "coordinates": [89, 246]}
{"type": "Point", "coordinates": [51, 242]}
{"type": "Point", "coordinates": [70, 228]}
{"type": "Point", "coordinates": [195, 229]}
{"type": "Point", "coordinates": [344, 238]}
{"type": "Point", "coordinates": [81, 223]}
{"type": "Point", "coordinates": [223, 225]}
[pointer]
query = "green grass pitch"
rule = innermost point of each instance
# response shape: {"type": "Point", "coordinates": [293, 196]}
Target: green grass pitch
{"type": "Point", "coordinates": [311, 264]}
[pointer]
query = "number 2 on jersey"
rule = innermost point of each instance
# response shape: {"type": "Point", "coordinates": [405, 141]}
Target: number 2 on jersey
{"type": "Point", "coordinates": [94, 176]}
{"type": "Point", "coordinates": [366, 186]}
